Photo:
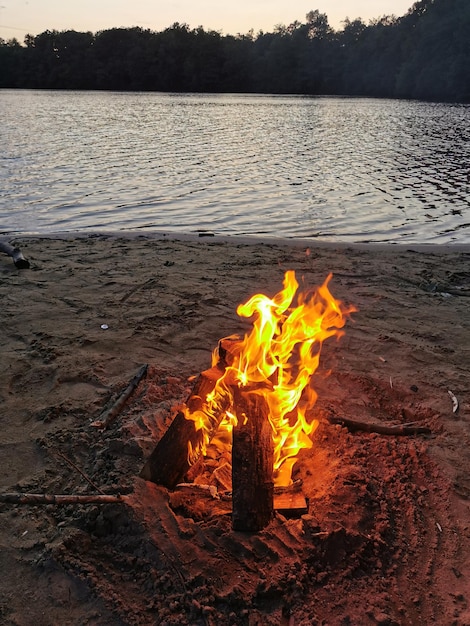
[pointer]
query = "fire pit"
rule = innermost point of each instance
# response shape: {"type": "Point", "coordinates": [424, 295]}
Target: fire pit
{"type": "Point", "coordinates": [255, 403]}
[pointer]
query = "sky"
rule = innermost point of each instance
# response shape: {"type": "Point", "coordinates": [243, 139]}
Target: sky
{"type": "Point", "coordinates": [19, 17]}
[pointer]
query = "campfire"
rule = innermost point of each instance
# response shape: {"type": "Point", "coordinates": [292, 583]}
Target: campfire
{"type": "Point", "coordinates": [255, 404]}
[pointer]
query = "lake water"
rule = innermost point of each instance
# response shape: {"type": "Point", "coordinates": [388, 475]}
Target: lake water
{"type": "Point", "coordinates": [342, 169]}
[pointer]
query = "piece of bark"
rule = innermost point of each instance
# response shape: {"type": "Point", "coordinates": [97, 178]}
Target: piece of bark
{"type": "Point", "coordinates": [110, 414]}
{"type": "Point", "coordinates": [169, 461]}
{"type": "Point", "coordinates": [228, 349]}
{"type": "Point", "coordinates": [16, 254]}
{"type": "Point", "coordinates": [381, 429]}
{"type": "Point", "coordinates": [252, 463]}
{"type": "Point", "coordinates": [44, 498]}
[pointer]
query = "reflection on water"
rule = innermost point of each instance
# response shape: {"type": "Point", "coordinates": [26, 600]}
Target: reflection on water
{"type": "Point", "coordinates": [333, 168]}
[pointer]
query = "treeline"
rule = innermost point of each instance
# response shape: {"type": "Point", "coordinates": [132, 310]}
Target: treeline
{"type": "Point", "coordinates": [424, 54]}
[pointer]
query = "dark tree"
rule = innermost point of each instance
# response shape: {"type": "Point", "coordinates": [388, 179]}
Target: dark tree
{"type": "Point", "coordinates": [424, 54]}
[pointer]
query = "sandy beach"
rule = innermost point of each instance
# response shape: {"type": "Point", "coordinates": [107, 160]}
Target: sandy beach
{"type": "Point", "coordinates": [386, 539]}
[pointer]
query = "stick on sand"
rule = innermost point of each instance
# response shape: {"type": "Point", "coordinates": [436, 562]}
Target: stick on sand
{"type": "Point", "coordinates": [381, 429]}
{"type": "Point", "coordinates": [108, 416]}
{"type": "Point", "coordinates": [45, 498]}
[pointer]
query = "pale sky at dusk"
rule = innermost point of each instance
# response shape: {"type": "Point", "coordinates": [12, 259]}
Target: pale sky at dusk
{"type": "Point", "coordinates": [18, 17]}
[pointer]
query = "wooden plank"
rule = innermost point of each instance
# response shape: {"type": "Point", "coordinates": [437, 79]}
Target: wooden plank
{"type": "Point", "coordinates": [290, 503]}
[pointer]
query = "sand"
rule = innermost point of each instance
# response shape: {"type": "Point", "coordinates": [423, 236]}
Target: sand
{"type": "Point", "coordinates": [386, 539]}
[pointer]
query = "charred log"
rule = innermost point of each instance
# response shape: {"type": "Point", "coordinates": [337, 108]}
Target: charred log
{"type": "Point", "coordinates": [169, 462]}
{"type": "Point", "coordinates": [252, 463]}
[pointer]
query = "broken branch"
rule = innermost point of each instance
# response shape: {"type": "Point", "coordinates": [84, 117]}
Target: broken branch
{"type": "Point", "coordinates": [169, 461]}
{"type": "Point", "coordinates": [110, 414]}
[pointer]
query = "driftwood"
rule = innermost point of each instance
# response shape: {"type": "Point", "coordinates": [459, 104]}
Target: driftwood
{"type": "Point", "coordinates": [44, 498]}
{"type": "Point", "coordinates": [110, 414]}
{"type": "Point", "coordinates": [16, 254]}
{"type": "Point", "coordinates": [252, 463]}
{"type": "Point", "coordinates": [381, 429]}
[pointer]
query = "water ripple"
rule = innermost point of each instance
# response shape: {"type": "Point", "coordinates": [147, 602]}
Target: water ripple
{"type": "Point", "coordinates": [335, 168]}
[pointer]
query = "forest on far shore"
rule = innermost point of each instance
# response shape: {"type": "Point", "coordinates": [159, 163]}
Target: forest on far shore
{"type": "Point", "coordinates": [424, 54]}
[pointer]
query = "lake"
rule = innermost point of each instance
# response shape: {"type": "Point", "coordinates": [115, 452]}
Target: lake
{"type": "Point", "coordinates": [337, 169]}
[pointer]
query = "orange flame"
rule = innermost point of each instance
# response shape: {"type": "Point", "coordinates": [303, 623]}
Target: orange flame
{"type": "Point", "coordinates": [277, 358]}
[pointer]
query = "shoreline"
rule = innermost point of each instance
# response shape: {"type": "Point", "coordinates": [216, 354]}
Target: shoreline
{"type": "Point", "coordinates": [208, 237]}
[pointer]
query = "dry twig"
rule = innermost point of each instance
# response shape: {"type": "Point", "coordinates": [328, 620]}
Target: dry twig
{"type": "Point", "coordinates": [110, 414]}
{"type": "Point", "coordinates": [381, 429]}
{"type": "Point", "coordinates": [77, 469]}
{"type": "Point", "coordinates": [147, 283]}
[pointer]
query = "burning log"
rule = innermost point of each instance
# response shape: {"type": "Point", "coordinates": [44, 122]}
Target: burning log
{"type": "Point", "coordinates": [16, 254]}
{"type": "Point", "coordinates": [169, 462]}
{"type": "Point", "coordinates": [252, 463]}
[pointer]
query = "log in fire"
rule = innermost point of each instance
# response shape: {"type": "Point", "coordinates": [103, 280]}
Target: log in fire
{"type": "Point", "coordinates": [254, 400]}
